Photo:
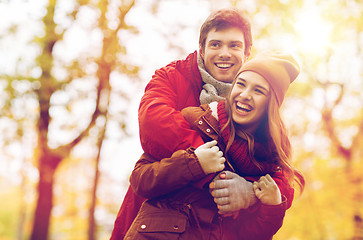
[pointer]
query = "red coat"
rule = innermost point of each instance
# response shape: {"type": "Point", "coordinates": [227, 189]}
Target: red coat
{"type": "Point", "coordinates": [163, 129]}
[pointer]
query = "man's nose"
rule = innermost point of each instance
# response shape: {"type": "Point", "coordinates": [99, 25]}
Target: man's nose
{"type": "Point", "coordinates": [225, 52]}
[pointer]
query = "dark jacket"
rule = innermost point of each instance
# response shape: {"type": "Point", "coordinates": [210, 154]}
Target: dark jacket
{"type": "Point", "coordinates": [178, 208]}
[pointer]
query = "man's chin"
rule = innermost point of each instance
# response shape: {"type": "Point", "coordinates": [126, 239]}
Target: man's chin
{"type": "Point", "coordinates": [225, 79]}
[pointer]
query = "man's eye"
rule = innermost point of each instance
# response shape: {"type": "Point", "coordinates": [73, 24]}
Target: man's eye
{"type": "Point", "coordinates": [236, 46]}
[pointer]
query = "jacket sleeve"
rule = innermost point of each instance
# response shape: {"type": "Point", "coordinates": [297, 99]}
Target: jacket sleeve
{"type": "Point", "coordinates": [151, 178]}
{"type": "Point", "coordinates": [284, 186]}
{"type": "Point", "coordinates": [262, 223]}
{"type": "Point", "coordinates": [163, 130]}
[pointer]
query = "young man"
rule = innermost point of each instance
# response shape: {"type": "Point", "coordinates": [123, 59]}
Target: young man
{"type": "Point", "coordinates": [224, 45]}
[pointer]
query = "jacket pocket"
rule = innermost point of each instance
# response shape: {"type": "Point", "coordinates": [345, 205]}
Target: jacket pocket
{"type": "Point", "coordinates": [154, 222]}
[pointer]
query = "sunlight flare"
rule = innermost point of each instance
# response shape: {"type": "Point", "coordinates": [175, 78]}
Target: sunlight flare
{"type": "Point", "coordinates": [313, 31]}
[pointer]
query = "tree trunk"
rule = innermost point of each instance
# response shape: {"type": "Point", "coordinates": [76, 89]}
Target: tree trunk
{"type": "Point", "coordinates": [91, 217]}
{"type": "Point", "coordinates": [44, 203]}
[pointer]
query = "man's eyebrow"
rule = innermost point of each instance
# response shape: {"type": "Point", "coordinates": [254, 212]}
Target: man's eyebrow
{"type": "Point", "coordinates": [214, 40]}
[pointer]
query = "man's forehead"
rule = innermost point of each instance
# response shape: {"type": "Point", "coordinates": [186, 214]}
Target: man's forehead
{"type": "Point", "coordinates": [230, 34]}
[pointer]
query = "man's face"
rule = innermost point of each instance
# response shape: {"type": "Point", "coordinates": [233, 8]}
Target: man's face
{"type": "Point", "coordinates": [224, 53]}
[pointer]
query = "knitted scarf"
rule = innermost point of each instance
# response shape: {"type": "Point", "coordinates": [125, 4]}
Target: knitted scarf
{"type": "Point", "coordinates": [238, 153]}
{"type": "Point", "coordinates": [213, 90]}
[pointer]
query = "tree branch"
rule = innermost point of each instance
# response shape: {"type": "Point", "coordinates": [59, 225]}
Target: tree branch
{"type": "Point", "coordinates": [329, 125]}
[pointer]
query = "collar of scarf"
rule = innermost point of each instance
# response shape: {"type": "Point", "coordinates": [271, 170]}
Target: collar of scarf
{"type": "Point", "coordinates": [213, 90]}
{"type": "Point", "coordinates": [238, 152]}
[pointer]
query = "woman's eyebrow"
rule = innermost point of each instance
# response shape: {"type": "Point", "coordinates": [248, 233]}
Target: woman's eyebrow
{"type": "Point", "coordinates": [263, 88]}
{"type": "Point", "coordinates": [241, 79]}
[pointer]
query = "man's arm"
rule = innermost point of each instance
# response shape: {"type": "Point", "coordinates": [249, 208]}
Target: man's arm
{"type": "Point", "coordinates": [163, 130]}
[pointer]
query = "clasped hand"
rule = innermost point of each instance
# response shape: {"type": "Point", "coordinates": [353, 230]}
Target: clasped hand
{"type": "Point", "coordinates": [231, 193]}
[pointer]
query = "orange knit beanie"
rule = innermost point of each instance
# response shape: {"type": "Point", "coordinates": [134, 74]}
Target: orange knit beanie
{"type": "Point", "coordinates": [278, 69]}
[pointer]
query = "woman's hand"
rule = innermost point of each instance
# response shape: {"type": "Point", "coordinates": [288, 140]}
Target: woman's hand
{"type": "Point", "coordinates": [267, 190]}
{"type": "Point", "coordinates": [210, 157]}
{"type": "Point", "coordinates": [231, 192]}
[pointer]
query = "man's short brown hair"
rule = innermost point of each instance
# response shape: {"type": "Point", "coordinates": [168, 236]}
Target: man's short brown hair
{"type": "Point", "coordinates": [223, 19]}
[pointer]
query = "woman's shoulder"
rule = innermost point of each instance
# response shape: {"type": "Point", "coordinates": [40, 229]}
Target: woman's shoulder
{"type": "Point", "coordinates": [191, 114]}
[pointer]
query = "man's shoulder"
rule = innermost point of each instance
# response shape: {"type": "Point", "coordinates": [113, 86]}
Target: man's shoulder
{"type": "Point", "coordinates": [183, 65]}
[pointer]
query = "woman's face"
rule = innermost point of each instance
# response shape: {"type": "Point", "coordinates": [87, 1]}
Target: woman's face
{"type": "Point", "coordinates": [249, 99]}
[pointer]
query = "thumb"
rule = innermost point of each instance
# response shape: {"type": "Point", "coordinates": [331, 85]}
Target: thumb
{"type": "Point", "coordinates": [229, 175]}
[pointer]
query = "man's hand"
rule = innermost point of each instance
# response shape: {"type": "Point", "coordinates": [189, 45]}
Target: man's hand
{"type": "Point", "coordinates": [210, 158]}
{"type": "Point", "coordinates": [232, 193]}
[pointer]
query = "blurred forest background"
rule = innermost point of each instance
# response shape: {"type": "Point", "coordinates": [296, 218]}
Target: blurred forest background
{"type": "Point", "coordinates": [72, 73]}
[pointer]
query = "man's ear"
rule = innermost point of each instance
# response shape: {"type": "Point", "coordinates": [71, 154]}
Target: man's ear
{"type": "Point", "coordinates": [201, 52]}
{"type": "Point", "coordinates": [248, 54]}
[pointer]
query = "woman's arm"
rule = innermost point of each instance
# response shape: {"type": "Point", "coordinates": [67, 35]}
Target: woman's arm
{"type": "Point", "coordinates": [264, 222]}
{"type": "Point", "coordinates": [151, 178]}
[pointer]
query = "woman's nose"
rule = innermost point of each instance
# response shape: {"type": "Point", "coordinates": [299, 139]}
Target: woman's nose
{"type": "Point", "coordinates": [246, 94]}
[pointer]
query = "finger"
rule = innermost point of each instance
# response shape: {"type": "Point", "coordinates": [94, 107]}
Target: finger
{"type": "Point", "coordinates": [211, 186]}
{"type": "Point", "coordinates": [221, 183]}
{"type": "Point", "coordinates": [269, 178]}
{"type": "Point", "coordinates": [262, 185]}
{"type": "Point", "coordinates": [262, 179]}
{"type": "Point", "coordinates": [223, 160]}
{"type": "Point", "coordinates": [255, 186]}
{"type": "Point", "coordinates": [222, 201]}
{"type": "Point", "coordinates": [222, 175]}
{"type": "Point", "coordinates": [210, 144]}
{"type": "Point", "coordinates": [224, 209]}
{"type": "Point", "coordinates": [230, 175]}
{"type": "Point", "coordinates": [220, 167]}
{"type": "Point", "coordinates": [220, 154]}
{"type": "Point", "coordinates": [220, 193]}
{"type": "Point", "coordinates": [215, 149]}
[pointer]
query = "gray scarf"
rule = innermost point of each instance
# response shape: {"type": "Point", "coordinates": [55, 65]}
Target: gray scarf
{"type": "Point", "coordinates": [213, 90]}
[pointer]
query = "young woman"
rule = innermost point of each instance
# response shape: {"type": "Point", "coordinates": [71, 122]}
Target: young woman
{"type": "Point", "coordinates": [249, 129]}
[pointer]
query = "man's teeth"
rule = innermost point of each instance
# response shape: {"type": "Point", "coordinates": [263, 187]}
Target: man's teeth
{"type": "Point", "coordinates": [224, 65]}
{"type": "Point", "coordinates": [244, 107]}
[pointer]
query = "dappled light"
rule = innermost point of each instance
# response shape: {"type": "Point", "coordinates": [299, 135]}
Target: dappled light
{"type": "Point", "coordinates": [313, 32]}
{"type": "Point", "coordinates": [72, 74]}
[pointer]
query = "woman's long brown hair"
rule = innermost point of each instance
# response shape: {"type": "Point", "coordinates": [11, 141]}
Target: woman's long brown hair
{"type": "Point", "coordinates": [274, 131]}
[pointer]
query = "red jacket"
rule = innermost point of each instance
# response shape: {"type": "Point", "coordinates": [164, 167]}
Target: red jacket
{"type": "Point", "coordinates": [163, 129]}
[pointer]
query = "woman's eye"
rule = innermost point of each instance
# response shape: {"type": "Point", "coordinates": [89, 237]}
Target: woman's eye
{"type": "Point", "coordinates": [241, 84]}
{"type": "Point", "coordinates": [259, 91]}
